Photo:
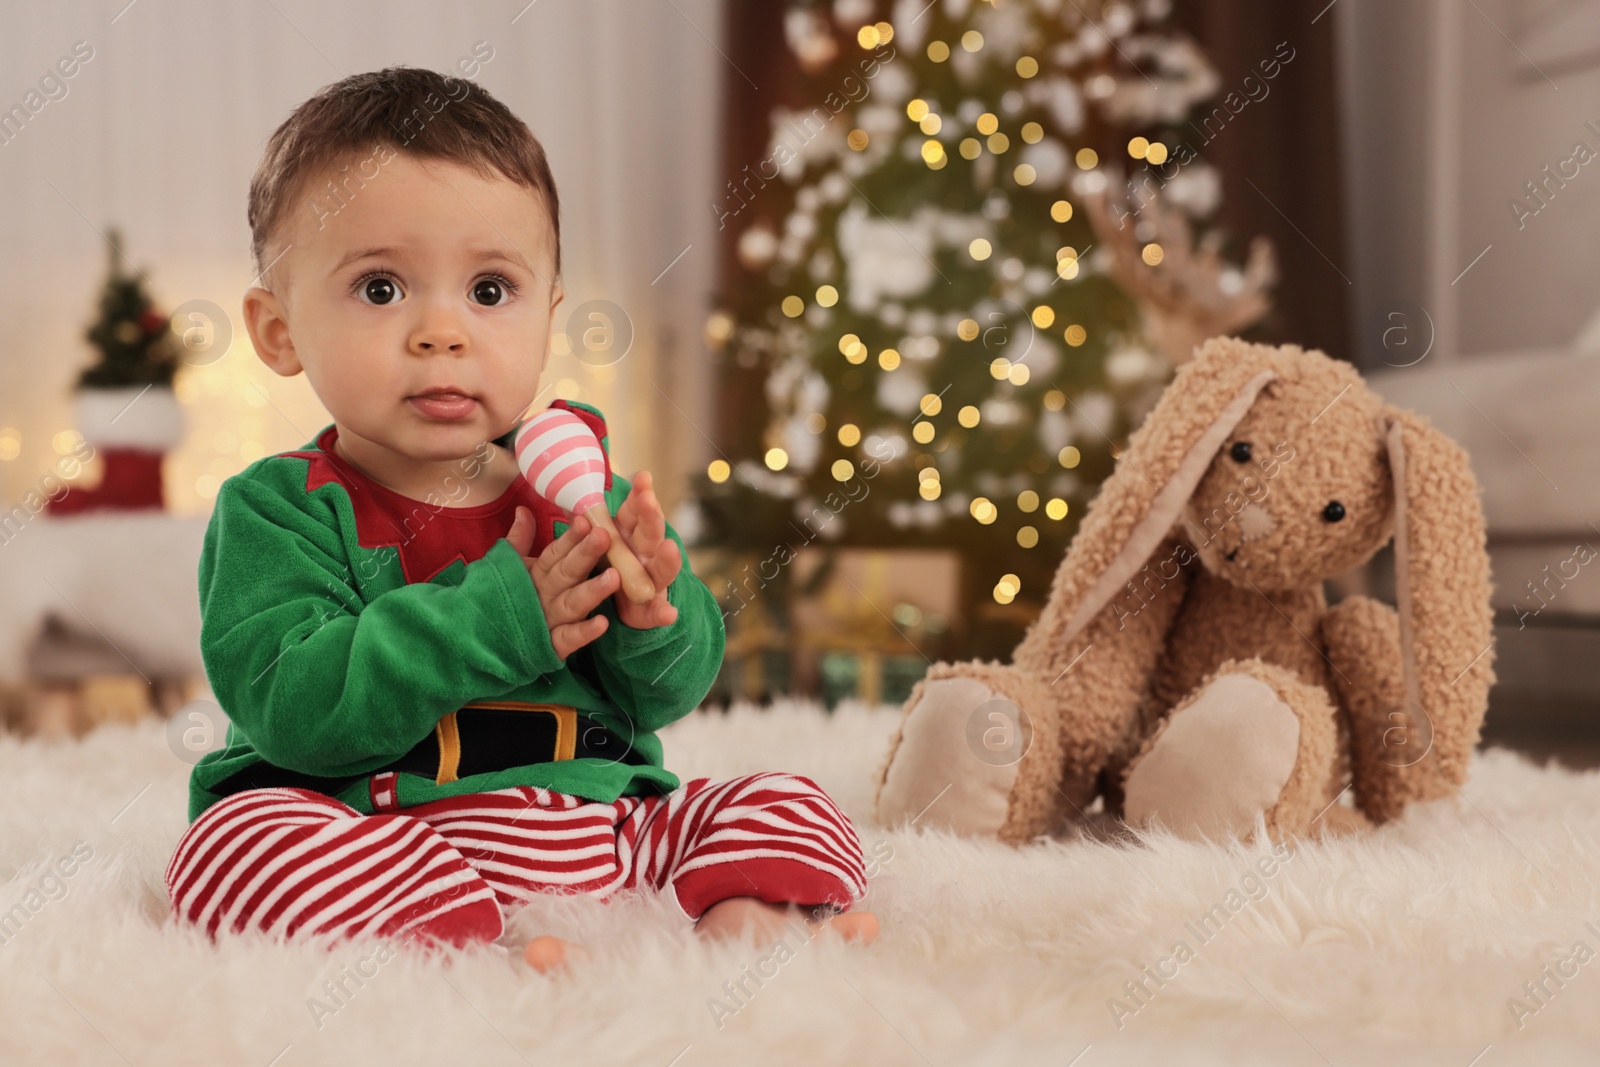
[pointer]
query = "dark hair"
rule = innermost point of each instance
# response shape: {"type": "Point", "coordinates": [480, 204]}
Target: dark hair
{"type": "Point", "coordinates": [398, 109]}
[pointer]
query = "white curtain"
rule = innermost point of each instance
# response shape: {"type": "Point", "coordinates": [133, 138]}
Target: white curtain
{"type": "Point", "coordinates": [158, 134]}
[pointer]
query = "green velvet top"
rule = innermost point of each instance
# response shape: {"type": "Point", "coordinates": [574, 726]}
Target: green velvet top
{"type": "Point", "coordinates": [341, 621]}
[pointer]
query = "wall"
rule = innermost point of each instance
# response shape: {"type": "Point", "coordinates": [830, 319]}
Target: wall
{"type": "Point", "coordinates": [1444, 122]}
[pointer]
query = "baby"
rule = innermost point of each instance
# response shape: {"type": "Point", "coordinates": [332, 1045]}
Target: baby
{"type": "Point", "coordinates": [440, 703]}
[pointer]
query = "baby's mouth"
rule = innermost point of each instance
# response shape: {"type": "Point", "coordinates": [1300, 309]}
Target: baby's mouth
{"type": "Point", "coordinates": [444, 404]}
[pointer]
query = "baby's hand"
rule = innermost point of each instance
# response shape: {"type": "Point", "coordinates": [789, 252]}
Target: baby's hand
{"type": "Point", "coordinates": [644, 530]}
{"type": "Point", "coordinates": [561, 575]}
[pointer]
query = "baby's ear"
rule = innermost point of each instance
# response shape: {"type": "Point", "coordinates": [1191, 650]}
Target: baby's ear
{"type": "Point", "coordinates": [264, 318]}
{"type": "Point", "coordinates": [558, 293]}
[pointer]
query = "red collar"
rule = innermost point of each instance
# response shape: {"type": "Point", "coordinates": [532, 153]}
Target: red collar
{"type": "Point", "coordinates": [429, 537]}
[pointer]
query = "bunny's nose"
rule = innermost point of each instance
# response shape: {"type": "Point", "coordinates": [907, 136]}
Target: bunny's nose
{"type": "Point", "coordinates": [1255, 522]}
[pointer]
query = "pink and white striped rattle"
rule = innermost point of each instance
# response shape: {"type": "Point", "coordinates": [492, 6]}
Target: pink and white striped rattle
{"type": "Point", "coordinates": [561, 458]}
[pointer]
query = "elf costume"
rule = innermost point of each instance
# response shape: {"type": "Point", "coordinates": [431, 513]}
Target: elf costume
{"type": "Point", "coordinates": [387, 657]}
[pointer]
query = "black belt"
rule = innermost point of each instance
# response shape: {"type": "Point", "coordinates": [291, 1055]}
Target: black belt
{"type": "Point", "coordinates": [477, 738]}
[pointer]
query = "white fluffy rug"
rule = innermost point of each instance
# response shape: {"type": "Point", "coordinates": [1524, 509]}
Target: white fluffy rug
{"type": "Point", "coordinates": [1407, 946]}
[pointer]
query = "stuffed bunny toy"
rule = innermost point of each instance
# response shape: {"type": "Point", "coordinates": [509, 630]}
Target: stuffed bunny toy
{"type": "Point", "coordinates": [1187, 665]}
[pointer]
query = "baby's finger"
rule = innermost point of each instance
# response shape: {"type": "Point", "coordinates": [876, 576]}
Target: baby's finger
{"type": "Point", "coordinates": [583, 598]}
{"type": "Point", "coordinates": [568, 638]}
{"type": "Point", "coordinates": [652, 528]}
{"type": "Point", "coordinates": [658, 611]}
{"type": "Point", "coordinates": [627, 516]}
{"type": "Point", "coordinates": [564, 545]}
{"type": "Point", "coordinates": [521, 533]}
{"type": "Point", "coordinates": [665, 564]}
{"type": "Point", "coordinates": [652, 525]}
{"type": "Point", "coordinates": [575, 566]}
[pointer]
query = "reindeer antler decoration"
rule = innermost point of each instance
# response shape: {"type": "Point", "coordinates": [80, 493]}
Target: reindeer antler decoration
{"type": "Point", "coordinates": [1191, 294]}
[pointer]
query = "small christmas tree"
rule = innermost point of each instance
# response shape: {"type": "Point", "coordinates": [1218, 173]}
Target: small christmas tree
{"type": "Point", "coordinates": [952, 342]}
{"type": "Point", "coordinates": [125, 406]}
{"type": "Point", "coordinates": [134, 340]}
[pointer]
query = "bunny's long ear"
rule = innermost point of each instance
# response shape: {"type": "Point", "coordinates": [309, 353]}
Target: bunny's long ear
{"type": "Point", "coordinates": [1442, 586]}
{"type": "Point", "coordinates": [1138, 505]}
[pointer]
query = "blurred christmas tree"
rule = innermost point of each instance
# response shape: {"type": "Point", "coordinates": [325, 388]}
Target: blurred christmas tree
{"type": "Point", "coordinates": [125, 408]}
{"type": "Point", "coordinates": [959, 298]}
{"type": "Point", "coordinates": [133, 338]}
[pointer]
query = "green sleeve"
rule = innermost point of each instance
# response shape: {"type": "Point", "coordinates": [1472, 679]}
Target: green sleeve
{"type": "Point", "coordinates": [323, 683]}
{"type": "Point", "coordinates": [659, 675]}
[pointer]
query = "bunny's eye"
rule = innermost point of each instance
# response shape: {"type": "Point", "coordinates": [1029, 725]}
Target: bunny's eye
{"type": "Point", "coordinates": [1333, 512]}
{"type": "Point", "coordinates": [1240, 452]}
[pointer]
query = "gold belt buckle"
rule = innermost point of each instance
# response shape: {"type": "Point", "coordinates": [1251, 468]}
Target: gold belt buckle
{"type": "Point", "coordinates": [449, 734]}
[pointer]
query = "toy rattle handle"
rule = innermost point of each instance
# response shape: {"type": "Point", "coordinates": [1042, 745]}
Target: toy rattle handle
{"type": "Point", "coordinates": [636, 584]}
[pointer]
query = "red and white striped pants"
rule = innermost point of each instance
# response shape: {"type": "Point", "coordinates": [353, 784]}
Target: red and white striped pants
{"type": "Point", "coordinates": [299, 864]}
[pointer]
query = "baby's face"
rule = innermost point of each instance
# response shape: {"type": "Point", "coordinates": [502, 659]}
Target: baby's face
{"type": "Point", "coordinates": [430, 280]}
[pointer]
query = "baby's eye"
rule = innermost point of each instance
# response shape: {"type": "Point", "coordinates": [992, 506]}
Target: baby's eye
{"type": "Point", "coordinates": [493, 290]}
{"type": "Point", "coordinates": [377, 289]}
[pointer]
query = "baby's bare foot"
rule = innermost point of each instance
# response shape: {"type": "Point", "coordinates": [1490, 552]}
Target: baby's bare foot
{"type": "Point", "coordinates": [547, 954]}
{"type": "Point", "coordinates": [732, 917]}
{"type": "Point", "coordinates": [854, 926]}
